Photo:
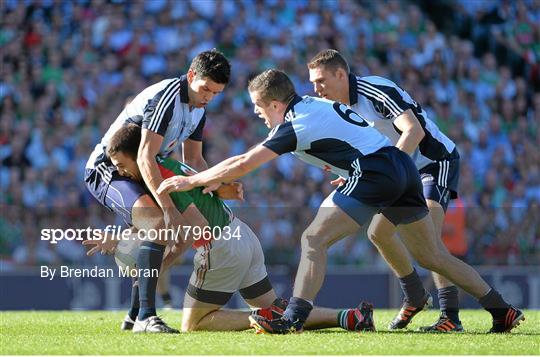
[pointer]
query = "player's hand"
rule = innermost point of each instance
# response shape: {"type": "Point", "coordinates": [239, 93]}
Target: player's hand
{"type": "Point", "coordinates": [340, 181]}
{"type": "Point", "coordinates": [231, 191]}
{"type": "Point", "coordinates": [175, 184]}
{"type": "Point", "coordinates": [102, 243]}
{"type": "Point", "coordinates": [213, 187]}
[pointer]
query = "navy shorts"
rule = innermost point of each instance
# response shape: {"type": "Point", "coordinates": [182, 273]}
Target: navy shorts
{"type": "Point", "coordinates": [440, 180]}
{"type": "Point", "coordinates": [387, 182]}
{"type": "Point", "coordinates": [117, 193]}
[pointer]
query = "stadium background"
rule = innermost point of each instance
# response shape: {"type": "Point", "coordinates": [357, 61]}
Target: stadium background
{"type": "Point", "coordinates": [68, 67]}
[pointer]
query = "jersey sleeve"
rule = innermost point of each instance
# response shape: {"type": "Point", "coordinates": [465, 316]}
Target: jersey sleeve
{"type": "Point", "coordinates": [159, 110]}
{"type": "Point", "coordinates": [197, 134]}
{"type": "Point", "coordinates": [282, 139]}
{"type": "Point", "coordinates": [386, 100]}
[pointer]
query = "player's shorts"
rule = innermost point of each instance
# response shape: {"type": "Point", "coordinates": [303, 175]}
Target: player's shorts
{"type": "Point", "coordinates": [223, 267]}
{"type": "Point", "coordinates": [440, 180]}
{"type": "Point", "coordinates": [113, 191]}
{"type": "Point", "coordinates": [387, 182]}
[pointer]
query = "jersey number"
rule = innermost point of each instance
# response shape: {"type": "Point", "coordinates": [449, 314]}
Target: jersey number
{"type": "Point", "coordinates": [349, 115]}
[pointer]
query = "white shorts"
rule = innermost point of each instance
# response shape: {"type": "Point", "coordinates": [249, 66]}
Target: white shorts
{"type": "Point", "coordinates": [223, 267]}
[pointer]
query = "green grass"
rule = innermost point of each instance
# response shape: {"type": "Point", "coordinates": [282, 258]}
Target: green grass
{"type": "Point", "coordinates": [97, 332]}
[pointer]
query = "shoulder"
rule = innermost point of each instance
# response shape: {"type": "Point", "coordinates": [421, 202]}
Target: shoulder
{"type": "Point", "coordinates": [375, 81]}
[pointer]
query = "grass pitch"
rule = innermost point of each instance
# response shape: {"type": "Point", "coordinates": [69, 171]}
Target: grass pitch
{"type": "Point", "coordinates": [97, 332]}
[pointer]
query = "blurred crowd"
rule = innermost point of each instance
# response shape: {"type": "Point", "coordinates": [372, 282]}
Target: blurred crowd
{"type": "Point", "coordinates": [68, 67]}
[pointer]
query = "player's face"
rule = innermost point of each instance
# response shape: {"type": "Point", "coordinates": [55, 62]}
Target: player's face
{"type": "Point", "coordinates": [271, 113]}
{"type": "Point", "coordinates": [126, 166]}
{"type": "Point", "coordinates": [201, 90]}
{"type": "Point", "coordinates": [327, 84]}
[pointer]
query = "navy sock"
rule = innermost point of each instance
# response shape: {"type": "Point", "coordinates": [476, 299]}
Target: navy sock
{"type": "Point", "coordinates": [494, 303]}
{"type": "Point", "coordinates": [166, 297]}
{"type": "Point", "coordinates": [449, 302]}
{"type": "Point", "coordinates": [134, 308]}
{"type": "Point", "coordinates": [150, 257]}
{"type": "Point", "coordinates": [413, 289]}
{"type": "Point", "coordinates": [297, 312]}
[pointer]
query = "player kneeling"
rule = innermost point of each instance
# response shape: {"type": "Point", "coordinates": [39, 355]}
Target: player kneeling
{"type": "Point", "coordinates": [229, 261]}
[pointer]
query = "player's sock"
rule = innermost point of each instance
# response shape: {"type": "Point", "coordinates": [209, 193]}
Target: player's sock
{"type": "Point", "coordinates": [412, 287]}
{"type": "Point", "coordinates": [150, 257]}
{"type": "Point", "coordinates": [346, 318]}
{"type": "Point", "coordinates": [494, 303]}
{"type": "Point", "coordinates": [449, 302]}
{"type": "Point", "coordinates": [134, 308]}
{"type": "Point", "coordinates": [166, 297]}
{"type": "Point", "coordinates": [297, 312]}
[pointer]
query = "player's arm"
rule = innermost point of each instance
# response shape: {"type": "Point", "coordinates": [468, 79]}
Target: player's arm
{"type": "Point", "coordinates": [192, 148]}
{"type": "Point", "coordinates": [411, 131]}
{"type": "Point", "coordinates": [392, 106]}
{"type": "Point", "coordinates": [192, 154]}
{"type": "Point", "coordinates": [226, 171]}
{"type": "Point", "coordinates": [282, 139]}
{"type": "Point", "coordinates": [146, 160]}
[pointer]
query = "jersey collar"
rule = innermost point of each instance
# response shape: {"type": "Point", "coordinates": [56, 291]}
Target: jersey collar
{"type": "Point", "coordinates": [290, 107]}
{"type": "Point", "coordinates": [184, 98]}
{"type": "Point", "coordinates": [353, 91]}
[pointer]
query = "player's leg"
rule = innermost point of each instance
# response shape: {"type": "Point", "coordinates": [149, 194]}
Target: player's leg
{"type": "Point", "coordinates": [257, 291]}
{"type": "Point", "coordinates": [422, 242]}
{"type": "Point", "coordinates": [130, 200]}
{"type": "Point", "coordinates": [354, 319]}
{"type": "Point", "coordinates": [163, 286]}
{"type": "Point", "coordinates": [330, 224]}
{"type": "Point", "coordinates": [203, 316]}
{"type": "Point", "coordinates": [381, 233]}
{"type": "Point", "coordinates": [129, 319]}
{"type": "Point", "coordinates": [147, 216]}
{"type": "Point", "coordinates": [440, 184]}
{"type": "Point", "coordinates": [446, 290]}
{"type": "Point", "coordinates": [419, 239]}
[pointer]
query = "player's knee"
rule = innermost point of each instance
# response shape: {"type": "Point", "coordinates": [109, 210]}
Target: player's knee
{"type": "Point", "coordinates": [312, 242]}
{"type": "Point", "coordinates": [373, 235]}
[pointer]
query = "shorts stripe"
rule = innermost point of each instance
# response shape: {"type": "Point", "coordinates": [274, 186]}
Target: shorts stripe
{"type": "Point", "coordinates": [201, 271]}
{"type": "Point", "coordinates": [353, 180]}
{"type": "Point", "coordinates": [444, 168]}
{"type": "Point", "coordinates": [447, 173]}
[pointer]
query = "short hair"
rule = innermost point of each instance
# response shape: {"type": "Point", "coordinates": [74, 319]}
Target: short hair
{"type": "Point", "coordinates": [212, 64]}
{"type": "Point", "coordinates": [126, 140]}
{"type": "Point", "coordinates": [273, 84]}
{"type": "Point", "coordinates": [330, 59]}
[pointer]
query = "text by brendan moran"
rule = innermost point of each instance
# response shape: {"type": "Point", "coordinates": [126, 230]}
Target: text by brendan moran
{"type": "Point", "coordinates": [65, 271]}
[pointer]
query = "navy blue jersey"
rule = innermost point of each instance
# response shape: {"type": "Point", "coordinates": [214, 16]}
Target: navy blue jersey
{"type": "Point", "coordinates": [326, 134]}
{"type": "Point", "coordinates": [380, 101]}
{"type": "Point", "coordinates": [163, 109]}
